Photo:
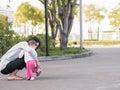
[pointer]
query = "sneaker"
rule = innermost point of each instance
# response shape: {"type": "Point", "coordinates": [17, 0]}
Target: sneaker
{"type": "Point", "coordinates": [30, 78]}
{"type": "Point", "coordinates": [38, 72]}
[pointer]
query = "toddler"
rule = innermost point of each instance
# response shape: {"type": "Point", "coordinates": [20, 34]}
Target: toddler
{"type": "Point", "coordinates": [31, 66]}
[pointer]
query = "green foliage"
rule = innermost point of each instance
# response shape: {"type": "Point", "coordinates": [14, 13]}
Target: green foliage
{"type": "Point", "coordinates": [26, 12]}
{"type": "Point", "coordinates": [114, 16]}
{"type": "Point", "coordinates": [10, 38]}
{"type": "Point", "coordinates": [38, 17]}
{"type": "Point", "coordinates": [4, 24]}
{"type": "Point", "coordinates": [93, 13]}
{"type": "Point", "coordinates": [7, 40]}
{"type": "Point", "coordinates": [42, 39]}
{"type": "Point", "coordinates": [57, 52]}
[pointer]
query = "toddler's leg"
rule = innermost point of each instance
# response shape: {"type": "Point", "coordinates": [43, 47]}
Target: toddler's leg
{"type": "Point", "coordinates": [29, 68]}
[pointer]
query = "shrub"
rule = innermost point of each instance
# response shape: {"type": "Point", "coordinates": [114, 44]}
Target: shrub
{"type": "Point", "coordinates": [7, 39]}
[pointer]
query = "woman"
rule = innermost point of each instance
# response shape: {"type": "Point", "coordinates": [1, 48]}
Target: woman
{"type": "Point", "coordinates": [11, 62]}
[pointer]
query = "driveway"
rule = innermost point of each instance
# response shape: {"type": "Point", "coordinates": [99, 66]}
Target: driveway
{"type": "Point", "coordinates": [101, 71]}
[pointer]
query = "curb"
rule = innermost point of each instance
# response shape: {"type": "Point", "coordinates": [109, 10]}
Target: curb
{"type": "Point", "coordinates": [66, 57]}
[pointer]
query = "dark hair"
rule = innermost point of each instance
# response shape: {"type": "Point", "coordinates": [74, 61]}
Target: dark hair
{"type": "Point", "coordinates": [35, 39]}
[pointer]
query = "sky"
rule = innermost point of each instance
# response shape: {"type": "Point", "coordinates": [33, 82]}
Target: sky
{"type": "Point", "coordinates": [108, 4]}
{"type": "Point", "coordinates": [15, 3]}
{"type": "Point", "coordinates": [100, 3]}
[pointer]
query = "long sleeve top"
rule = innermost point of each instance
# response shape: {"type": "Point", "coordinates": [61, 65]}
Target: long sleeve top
{"type": "Point", "coordinates": [28, 56]}
{"type": "Point", "coordinates": [14, 53]}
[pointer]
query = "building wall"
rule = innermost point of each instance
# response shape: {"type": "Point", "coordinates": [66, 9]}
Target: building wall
{"type": "Point", "coordinates": [9, 13]}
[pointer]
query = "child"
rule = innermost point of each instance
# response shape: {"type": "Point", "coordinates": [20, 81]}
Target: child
{"type": "Point", "coordinates": [31, 66]}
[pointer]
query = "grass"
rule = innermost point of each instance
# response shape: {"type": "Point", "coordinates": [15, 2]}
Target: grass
{"type": "Point", "coordinates": [95, 42]}
{"type": "Point", "coordinates": [75, 50]}
{"type": "Point", "coordinates": [57, 51]}
{"type": "Point", "coordinates": [104, 42]}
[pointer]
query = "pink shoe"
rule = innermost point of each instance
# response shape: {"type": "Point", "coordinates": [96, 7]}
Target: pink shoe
{"type": "Point", "coordinates": [38, 72]}
{"type": "Point", "coordinates": [30, 78]}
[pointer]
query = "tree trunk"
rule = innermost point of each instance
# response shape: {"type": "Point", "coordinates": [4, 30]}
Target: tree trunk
{"type": "Point", "coordinates": [67, 22]}
{"type": "Point", "coordinates": [63, 41]}
{"type": "Point", "coordinates": [53, 21]}
{"type": "Point", "coordinates": [90, 30]}
{"type": "Point", "coordinates": [32, 32]}
{"type": "Point", "coordinates": [98, 33]}
{"type": "Point", "coordinates": [24, 29]}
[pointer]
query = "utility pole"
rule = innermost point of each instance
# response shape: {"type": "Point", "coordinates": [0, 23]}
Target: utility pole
{"type": "Point", "coordinates": [46, 26]}
{"type": "Point", "coordinates": [81, 38]}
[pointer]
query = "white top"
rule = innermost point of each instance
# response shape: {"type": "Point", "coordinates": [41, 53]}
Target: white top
{"type": "Point", "coordinates": [27, 55]}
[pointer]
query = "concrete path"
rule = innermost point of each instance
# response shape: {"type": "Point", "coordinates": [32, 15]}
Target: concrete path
{"type": "Point", "coordinates": [100, 71]}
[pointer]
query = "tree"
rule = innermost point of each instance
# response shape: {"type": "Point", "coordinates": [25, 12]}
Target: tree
{"type": "Point", "coordinates": [61, 15]}
{"type": "Point", "coordinates": [7, 39]}
{"type": "Point", "coordinates": [114, 17]}
{"type": "Point", "coordinates": [27, 12]}
{"type": "Point", "coordinates": [4, 24]}
{"type": "Point", "coordinates": [93, 14]}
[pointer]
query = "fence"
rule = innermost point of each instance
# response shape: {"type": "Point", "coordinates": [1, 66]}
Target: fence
{"type": "Point", "coordinates": [104, 36]}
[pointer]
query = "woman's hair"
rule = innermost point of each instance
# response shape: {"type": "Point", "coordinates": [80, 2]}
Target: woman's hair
{"type": "Point", "coordinates": [34, 40]}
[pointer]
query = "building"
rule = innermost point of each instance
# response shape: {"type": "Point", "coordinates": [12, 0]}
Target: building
{"type": "Point", "coordinates": [7, 12]}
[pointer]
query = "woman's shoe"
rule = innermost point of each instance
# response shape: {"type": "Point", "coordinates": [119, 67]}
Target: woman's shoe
{"type": "Point", "coordinates": [15, 78]}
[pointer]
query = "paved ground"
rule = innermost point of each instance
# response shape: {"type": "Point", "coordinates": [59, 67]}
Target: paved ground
{"type": "Point", "coordinates": [100, 71]}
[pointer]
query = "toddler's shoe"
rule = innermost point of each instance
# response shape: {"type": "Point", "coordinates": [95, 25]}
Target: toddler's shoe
{"type": "Point", "coordinates": [38, 72]}
{"type": "Point", "coordinates": [30, 78]}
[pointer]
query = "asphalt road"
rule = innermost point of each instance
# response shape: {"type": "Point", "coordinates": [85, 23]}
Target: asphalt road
{"type": "Point", "coordinates": [100, 71]}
